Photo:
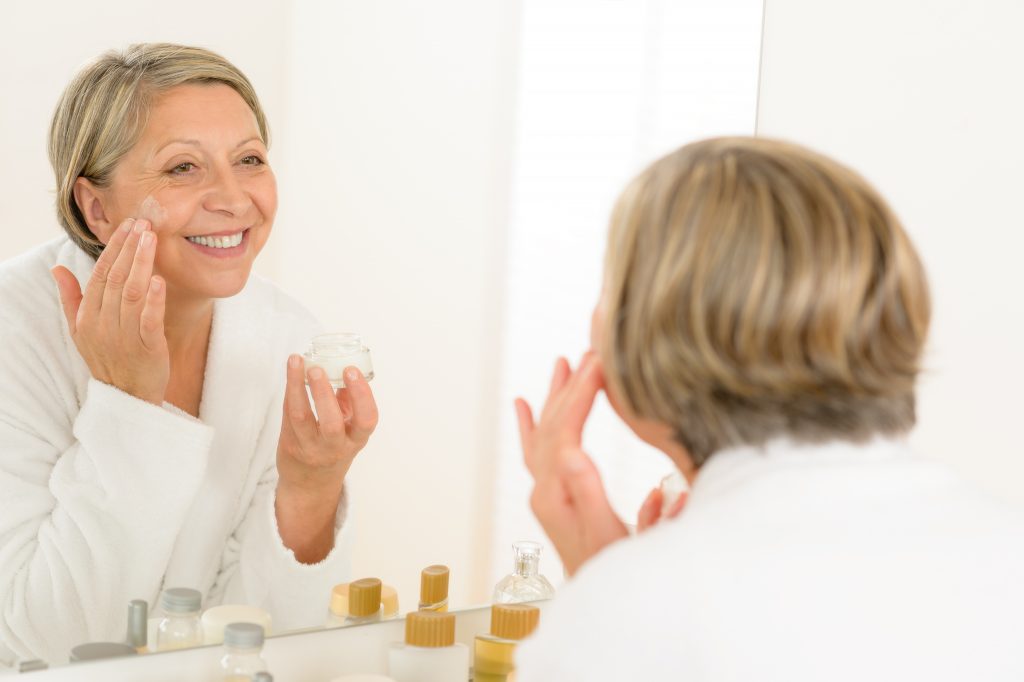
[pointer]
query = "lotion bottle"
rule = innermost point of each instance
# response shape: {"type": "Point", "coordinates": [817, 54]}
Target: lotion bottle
{"type": "Point", "coordinates": [430, 652]}
{"type": "Point", "coordinates": [493, 653]}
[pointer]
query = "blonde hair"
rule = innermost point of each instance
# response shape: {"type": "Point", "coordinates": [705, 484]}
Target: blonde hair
{"type": "Point", "coordinates": [755, 289]}
{"type": "Point", "coordinates": [103, 111]}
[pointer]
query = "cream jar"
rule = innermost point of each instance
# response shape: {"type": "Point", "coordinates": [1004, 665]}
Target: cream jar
{"type": "Point", "coordinates": [334, 352]}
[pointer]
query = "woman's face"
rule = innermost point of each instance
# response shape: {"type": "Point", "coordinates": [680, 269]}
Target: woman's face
{"type": "Point", "coordinates": [199, 174]}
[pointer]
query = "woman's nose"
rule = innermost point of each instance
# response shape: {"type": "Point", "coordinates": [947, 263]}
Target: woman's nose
{"type": "Point", "coordinates": [227, 194]}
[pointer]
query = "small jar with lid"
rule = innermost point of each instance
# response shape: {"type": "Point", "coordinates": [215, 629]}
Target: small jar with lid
{"type": "Point", "coordinates": [337, 610]}
{"type": "Point", "coordinates": [493, 653]}
{"type": "Point", "coordinates": [429, 652]}
{"type": "Point", "coordinates": [434, 588]}
{"type": "Point", "coordinates": [243, 652]}
{"type": "Point", "coordinates": [364, 605]}
{"type": "Point", "coordinates": [180, 626]}
{"type": "Point", "coordinates": [334, 352]}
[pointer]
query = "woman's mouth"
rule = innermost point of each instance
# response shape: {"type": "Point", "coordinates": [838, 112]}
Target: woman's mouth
{"type": "Point", "coordinates": [221, 245]}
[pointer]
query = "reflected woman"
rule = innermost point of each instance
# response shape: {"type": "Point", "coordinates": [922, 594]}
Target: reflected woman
{"type": "Point", "coordinates": [154, 430]}
{"type": "Point", "coordinates": [762, 323]}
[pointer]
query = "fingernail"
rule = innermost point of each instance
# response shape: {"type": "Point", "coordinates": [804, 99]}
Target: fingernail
{"type": "Point", "coordinates": [316, 374]}
{"type": "Point", "coordinates": [155, 283]}
{"type": "Point", "coordinates": [352, 374]}
{"type": "Point", "coordinates": [147, 239]}
{"type": "Point", "coordinates": [139, 227]}
{"type": "Point", "coordinates": [294, 361]}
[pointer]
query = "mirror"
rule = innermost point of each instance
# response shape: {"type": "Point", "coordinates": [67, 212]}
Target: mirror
{"type": "Point", "coordinates": [445, 173]}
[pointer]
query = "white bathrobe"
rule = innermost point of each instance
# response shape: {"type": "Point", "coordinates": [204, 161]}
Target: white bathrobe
{"type": "Point", "coordinates": [105, 498]}
{"type": "Point", "coordinates": [800, 564]}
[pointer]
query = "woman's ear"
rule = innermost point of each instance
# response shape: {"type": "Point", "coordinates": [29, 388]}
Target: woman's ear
{"type": "Point", "coordinates": [90, 201]}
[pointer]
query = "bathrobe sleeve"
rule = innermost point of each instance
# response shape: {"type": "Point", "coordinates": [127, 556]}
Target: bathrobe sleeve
{"type": "Point", "coordinates": [258, 569]}
{"type": "Point", "coordinates": [93, 497]}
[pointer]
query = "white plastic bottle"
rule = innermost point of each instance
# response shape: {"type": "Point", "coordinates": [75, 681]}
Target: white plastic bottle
{"type": "Point", "coordinates": [243, 648]}
{"type": "Point", "coordinates": [180, 627]}
{"type": "Point", "coordinates": [429, 653]}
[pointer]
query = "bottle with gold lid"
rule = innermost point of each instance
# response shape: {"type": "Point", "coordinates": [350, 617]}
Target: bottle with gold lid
{"type": "Point", "coordinates": [364, 605]}
{"type": "Point", "coordinates": [337, 610]}
{"type": "Point", "coordinates": [525, 583]}
{"type": "Point", "coordinates": [434, 588]}
{"type": "Point", "coordinates": [493, 653]}
{"type": "Point", "coordinates": [430, 652]}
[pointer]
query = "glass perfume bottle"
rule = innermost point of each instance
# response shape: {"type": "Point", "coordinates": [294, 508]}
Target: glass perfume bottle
{"type": "Point", "coordinates": [525, 583]}
{"type": "Point", "coordinates": [180, 627]}
{"type": "Point", "coordinates": [493, 653]}
{"type": "Point", "coordinates": [334, 352]}
{"type": "Point", "coordinates": [434, 588]}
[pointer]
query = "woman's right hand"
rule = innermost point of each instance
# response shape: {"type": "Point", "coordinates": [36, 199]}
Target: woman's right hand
{"type": "Point", "coordinates": [118, 324]}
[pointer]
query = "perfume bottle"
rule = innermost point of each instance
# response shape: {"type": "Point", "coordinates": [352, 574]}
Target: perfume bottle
{"type": "Point", "coordinates": [434, 588]}
{"type": "Point", "coordinates": [493, 653]}
{"type": "Point", "coordinates": [334, 352]}
{"type": "Point", "coordinates": [525, 583]}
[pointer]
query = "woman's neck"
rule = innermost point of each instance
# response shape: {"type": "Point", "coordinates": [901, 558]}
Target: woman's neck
{"type": "Point", "coordinates": [187, 322]}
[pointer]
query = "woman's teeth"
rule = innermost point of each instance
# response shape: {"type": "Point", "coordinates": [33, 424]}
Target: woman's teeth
{"type": "Point", "coordinates": [218, 242]}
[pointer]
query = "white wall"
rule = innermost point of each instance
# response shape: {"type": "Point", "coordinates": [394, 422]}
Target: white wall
{"type": "Point", "coordinates": [925, 99]}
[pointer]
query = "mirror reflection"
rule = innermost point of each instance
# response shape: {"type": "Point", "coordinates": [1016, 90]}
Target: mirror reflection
{"type": "Point", "coordinates": [181, 446]}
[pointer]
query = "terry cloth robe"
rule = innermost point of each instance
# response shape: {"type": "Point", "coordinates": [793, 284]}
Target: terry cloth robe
{"type": "Point", "coordinates": [106, 498]}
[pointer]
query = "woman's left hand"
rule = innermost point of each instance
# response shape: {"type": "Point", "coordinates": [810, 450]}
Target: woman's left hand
{"type": "Point", "coordinates": [314, 454]}
{"type": "Point", "coordinates": [568, 497]}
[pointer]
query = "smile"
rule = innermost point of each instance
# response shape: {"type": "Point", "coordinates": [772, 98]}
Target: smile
{"type": "Point", "coordinates": [222, 242]}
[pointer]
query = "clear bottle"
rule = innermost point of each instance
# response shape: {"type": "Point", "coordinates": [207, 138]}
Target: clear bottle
{"type": "Point", "coordinates": [434, 588]}
{"type": "Point", "coordinates": [138, 625]}
{"type": "Point", "coordinates": [430, 652]}
{"type": "Point", "coordinates": [243, 646]}
{"type": "Point", "coordinates": [334, 352]}
{"type": "Point", "coordinates": [493, 653]}
{"type": "Point", "coordinates": [364, 605]}
{"type": "Point", "coordinates": [180, 626]}
{"type": "Point", "coordinates": [525, 583]}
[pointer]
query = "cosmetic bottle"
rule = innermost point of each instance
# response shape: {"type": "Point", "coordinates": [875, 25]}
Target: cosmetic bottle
{"type": "Point", "coordinates": [672, 487]}
{"type": "Point", "coordinates": [138, 625]}
{"type": "Point", "coordinates": [434, 588]}
{"type": "Point", "coordinates": [493, 653]}
{"type": "Point", "coordinates": [429, 653]}
{"type": "Point", "coordinates": [180, 627]}
{"type": "Point", "coordinates": [525, 583]}
{"type": "Point", "coordinates": [262, 676]}
{"type": "Point", "coordinates": [334, 352]}
{"type": "Point", "coordinates": [337, 610]}
{"type": "Point", "coordinates": [243, 646]}
{"type": "Point", "coordinates": [216, 618]}
{"type": "Point", "coordinates": [364, 602]}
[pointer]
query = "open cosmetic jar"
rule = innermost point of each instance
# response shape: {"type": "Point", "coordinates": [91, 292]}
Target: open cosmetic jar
{"type": "Point", "coordinates": [334, 352]}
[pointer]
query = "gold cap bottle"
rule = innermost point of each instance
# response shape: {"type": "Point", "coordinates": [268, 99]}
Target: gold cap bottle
{"type": "Point", "coordinates": [339, 600]}
{"type": "Point", "coordinates": [434, 588]}
{"type": "Point", "coordinates": [430, 629]}
{"type": "Point", "coordinates": [513, 621]}
{"type": "Point", "coordinates": [364, 597]}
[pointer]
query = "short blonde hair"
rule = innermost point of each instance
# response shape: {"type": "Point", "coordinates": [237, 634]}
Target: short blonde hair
{"type": "Point", "coordinates": [755, 289]}
{"type": "Point", "coordinates": [103, 111]}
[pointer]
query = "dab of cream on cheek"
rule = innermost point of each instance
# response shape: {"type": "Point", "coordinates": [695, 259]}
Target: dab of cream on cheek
{"type": "Point", "coordinates": [151, 210]}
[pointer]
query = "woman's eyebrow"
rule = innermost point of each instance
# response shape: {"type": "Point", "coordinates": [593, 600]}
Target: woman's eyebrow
{"type": "Point", "coordinates": [196, 143]}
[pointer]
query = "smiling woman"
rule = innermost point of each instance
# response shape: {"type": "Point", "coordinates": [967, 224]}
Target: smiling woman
{"type": "Point", "coordinates": [145, 441]}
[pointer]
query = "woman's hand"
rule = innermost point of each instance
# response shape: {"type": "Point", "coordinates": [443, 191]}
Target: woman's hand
{"type": "Point", "coordinates": [314, 454]}
{"type": "Point", "coordinates": [118, 324]}
{"type": "Point", "coordinates": [650, 510]}
{"type": "Point", "coordinates": [568, 497]}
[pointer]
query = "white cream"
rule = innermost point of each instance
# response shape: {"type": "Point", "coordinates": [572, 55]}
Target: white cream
{"type": "Point", "coordinates": [151, 210]}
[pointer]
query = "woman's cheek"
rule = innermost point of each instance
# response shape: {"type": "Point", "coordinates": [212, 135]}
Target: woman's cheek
{"type": "Point", "coordinates": [153, 211]}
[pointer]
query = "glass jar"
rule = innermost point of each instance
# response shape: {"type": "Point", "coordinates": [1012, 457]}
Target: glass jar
{"type": "Point", "coordinates": [180, 626]}
{"type": "Point", "coordinates": [334, 352]}
{"type": "Point", "coordinates": [243, 649]}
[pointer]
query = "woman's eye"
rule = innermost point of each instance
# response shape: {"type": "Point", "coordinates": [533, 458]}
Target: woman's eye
{"type": "Point", "coordinates": [183, 168]}
{"type": "Point", "coordinates": [252, 160]}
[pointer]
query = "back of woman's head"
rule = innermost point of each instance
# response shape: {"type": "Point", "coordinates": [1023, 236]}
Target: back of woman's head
{"type": "Point", "coordinates": [755, 289]}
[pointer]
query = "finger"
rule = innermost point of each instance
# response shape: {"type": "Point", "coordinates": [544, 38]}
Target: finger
{"type": "Point", "coordinates": [579, 397]}
{"type": "Point", "coordinates": [364, 407]}
{"type": "Point", "coordinates": [559, 377]}
{"type": "Point", "coordinates": [117, 276]}
{"type": "Point", "coordinates": [524, 416]}
{"type": "Point", "coordinates": [345, 403]}
{"type": "Point", "coordinates": [151, 319]}
{"type": "Point", "coordinates": [70, 293]}
{"type": "Point", "coordinates": [650, 511]}
{"type": "Point", "coordinates": [677, 506]}
{"type": "Point", "coordinates": [93, 297]}
{"type": "Point", "coordinates": [133, 298]}
{"type": "Point", "coordinates": [328, 413]}
{"type": "Point", "coordinates": [296, 404]}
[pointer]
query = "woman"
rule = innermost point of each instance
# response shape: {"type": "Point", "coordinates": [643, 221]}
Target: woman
{"type": "Point", "coordinates": [143, 443]}
{"type": "Point", "coordinates": [762, 323]}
